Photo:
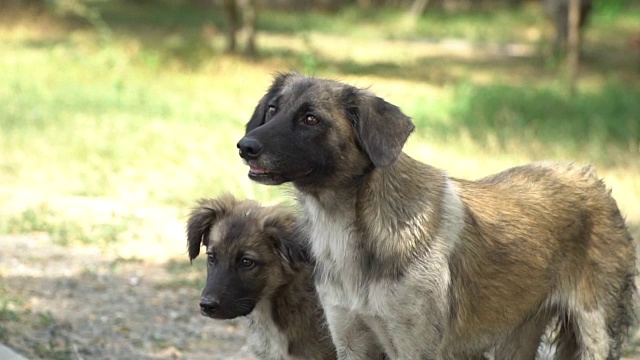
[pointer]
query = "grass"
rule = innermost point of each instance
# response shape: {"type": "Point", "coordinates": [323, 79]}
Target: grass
{"type": "Point", "coordinates": [5, 315]}
{"type": "Point", "coordinates": [150, 115]}
{"type": "Point", "coordinates": [53, 351]}
{"type": "Point", "coordinates": [591, 122]}
{"type": "Point", "coordinates": [8, 311]}
{"type": "Point", "coordinates": [63, 228]}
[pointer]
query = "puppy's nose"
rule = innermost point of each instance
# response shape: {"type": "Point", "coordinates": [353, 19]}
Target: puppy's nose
{"type": "Point", "coordinates": [250, 148]}
{"type": "Point", "coordinates": [209, 306]}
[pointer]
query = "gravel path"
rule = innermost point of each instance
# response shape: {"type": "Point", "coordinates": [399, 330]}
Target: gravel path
{"type": "Point", "coordinates": [77, 303]}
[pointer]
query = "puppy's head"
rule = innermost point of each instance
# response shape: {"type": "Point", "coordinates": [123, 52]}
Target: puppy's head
{"type": "Point", "coordinates": [251, 250]}
{"type": "Point", "coordinates": [320, 132]}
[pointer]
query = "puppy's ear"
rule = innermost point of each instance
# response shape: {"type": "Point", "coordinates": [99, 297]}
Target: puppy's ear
{"type": "Point", "coordinates": [258, 117]}
{"type": "Point", "coordinates": [202, 218]}
{"type": "Point", "coordinates": [282, 228]}
{"type": "Point", "coordinates": [381, 127]}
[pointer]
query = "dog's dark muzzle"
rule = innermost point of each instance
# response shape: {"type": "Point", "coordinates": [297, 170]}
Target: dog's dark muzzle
{"type": "Point", "coordinates": [250, 148]}
{"type": "Point", "coordinates": [209, 307]}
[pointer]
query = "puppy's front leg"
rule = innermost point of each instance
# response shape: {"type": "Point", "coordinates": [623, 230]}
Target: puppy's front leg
{"type": "Point", "coordinates": [351, 336]}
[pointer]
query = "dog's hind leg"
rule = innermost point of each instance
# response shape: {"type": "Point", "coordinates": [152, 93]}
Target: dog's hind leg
{"type": "Point", "coordinates": [565, 341]}
{"type": "Point", "coordinates": [524, 341]}
{"type": "Point", "coordinates": [591, 333]}
{"type": "Point", "coordinates": [624, 317]}
{"type": "Point", "coordinates": [601, 313]}
{"type": "Point", "coordinates": [597, 332]}
{"type": "Point", "coordinates": [601, 334]}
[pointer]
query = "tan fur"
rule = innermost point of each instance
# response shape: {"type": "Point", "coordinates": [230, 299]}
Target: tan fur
{"type": "Point", "coordinates": [432, 267]}
{"type": "Point", "coordinates": [287, 322]}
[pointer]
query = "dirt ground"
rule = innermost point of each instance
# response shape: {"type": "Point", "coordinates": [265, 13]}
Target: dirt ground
{"type": "Point", "coordinates": [78, 303]}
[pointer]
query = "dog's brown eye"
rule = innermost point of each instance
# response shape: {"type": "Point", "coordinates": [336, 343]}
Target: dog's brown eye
{"type": "Point", "coordinates": [311, 120]}
{"type": "Point", "coordinates": [247, 263]}
{"type": "Point", "coordinates": [271, 110]}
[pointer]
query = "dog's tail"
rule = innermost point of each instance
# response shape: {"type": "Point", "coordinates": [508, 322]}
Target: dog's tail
{"type": "Point", "coordinates": [625, 318]}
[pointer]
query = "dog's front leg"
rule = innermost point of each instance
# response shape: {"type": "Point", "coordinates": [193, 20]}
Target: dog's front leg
{"type": "Point", "coordinates": [412, 336]}
{"type": "Point", "coordinates": [353, 339]}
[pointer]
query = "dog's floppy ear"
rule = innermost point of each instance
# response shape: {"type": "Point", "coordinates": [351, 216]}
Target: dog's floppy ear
{"type": "Point", "coordinates": [258, 117]}
{"type": "Point", "coordinates": [282, 228]}
{"type": "Point", "coordinates": [381, 127]}
{"type": "Point", "coordinates": [202, 218]}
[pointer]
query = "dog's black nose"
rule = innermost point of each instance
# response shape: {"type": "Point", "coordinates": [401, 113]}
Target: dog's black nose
{"type": "Point", "coordinates": [250, 148]}
{"type": "Point", "coordinates": [209, 306]}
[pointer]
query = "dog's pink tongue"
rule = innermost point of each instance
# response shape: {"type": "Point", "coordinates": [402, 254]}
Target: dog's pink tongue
{"type": "Point", "coordinates": [257, 170]}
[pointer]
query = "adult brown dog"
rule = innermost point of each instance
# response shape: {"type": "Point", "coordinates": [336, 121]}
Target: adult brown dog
{"type": "Point", "coordinates": [432, 267]}
{"type": "Point", "coordinates": [258, 268]}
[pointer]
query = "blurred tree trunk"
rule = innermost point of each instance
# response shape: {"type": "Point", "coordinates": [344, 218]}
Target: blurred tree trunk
{"type": "Point", "coordinates": [573, 44]}
{"type": "Point", "coordinates": [513, 3]}
{"type": "Point", "coordinates": [236, 11]}
{"type": "Point", "coordinates": [248, 10]}
{"type": "Point", "coordinates": [417, 8]}
{"type": "Point", "coordinates": [460, 5]}
{"type": "Point", "coordinates": [230, 9]}
{"type": "Point", "coordinates": [558, 11]}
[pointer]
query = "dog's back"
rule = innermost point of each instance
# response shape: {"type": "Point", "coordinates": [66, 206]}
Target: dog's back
{"type": "Point", "coordinates": [545, 236]}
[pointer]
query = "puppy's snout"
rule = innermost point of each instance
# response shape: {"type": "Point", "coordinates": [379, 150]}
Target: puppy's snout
{"type": "Point", "coordinates": [209, 306]}
{"type": "Point", "coordinates": [250, 148]}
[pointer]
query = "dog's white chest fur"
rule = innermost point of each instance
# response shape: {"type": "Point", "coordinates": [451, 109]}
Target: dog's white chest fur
{"type": "Point", "coordinates": [339, 282]}
{"type": "Point", "coordinates": [342, 282]}
{"type": "Point", "coordinates": [264, 336]}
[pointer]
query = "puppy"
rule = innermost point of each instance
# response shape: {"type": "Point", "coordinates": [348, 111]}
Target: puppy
{"type": "Point", "coordinates": [258, 269]}
{"type": "Point", "coordinates": [427, 266]}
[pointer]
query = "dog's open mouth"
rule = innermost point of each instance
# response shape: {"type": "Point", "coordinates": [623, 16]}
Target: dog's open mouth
{"type": "Point", "coordinates": [260, 174]}
{"type": "Point", "coordinates": [254, 170]}
{"type": "Point", "coordinates": [267, 177]}
{"type": "Point", "coordinates": [264, 176]}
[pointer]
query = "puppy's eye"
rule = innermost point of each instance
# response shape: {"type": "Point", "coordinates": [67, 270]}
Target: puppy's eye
{"type": "Point", "coordinates": [311, 120]}
{"type": "Point", "coordinates": [247, 263]}
{"type": "Point", "coordinates": [272, 110]}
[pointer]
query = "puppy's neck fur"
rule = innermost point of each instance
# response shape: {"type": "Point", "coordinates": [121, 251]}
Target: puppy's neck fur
{"type": "Point", "coordinates": [277, 320]}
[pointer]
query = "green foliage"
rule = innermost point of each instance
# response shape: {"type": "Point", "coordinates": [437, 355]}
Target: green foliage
{"type": "Point", "coordinates": [309, 58]}
{"type": "Point", "coordinates": [6, 314]}
{"type": "Point", "coordinates": [477, 25]}
{"type": "Point", "coordinates": [45, 319]}
{"type": "Point", "coordinates": [7, 311]}
{"type": "Point", "coordinates": [610, 8]}
{"type": "Point", "coordinates": [168, 15]}
{"type": "Point", "coordinates": [594, 120]}
{"type": "Point", "coordinates": [53, 351]}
